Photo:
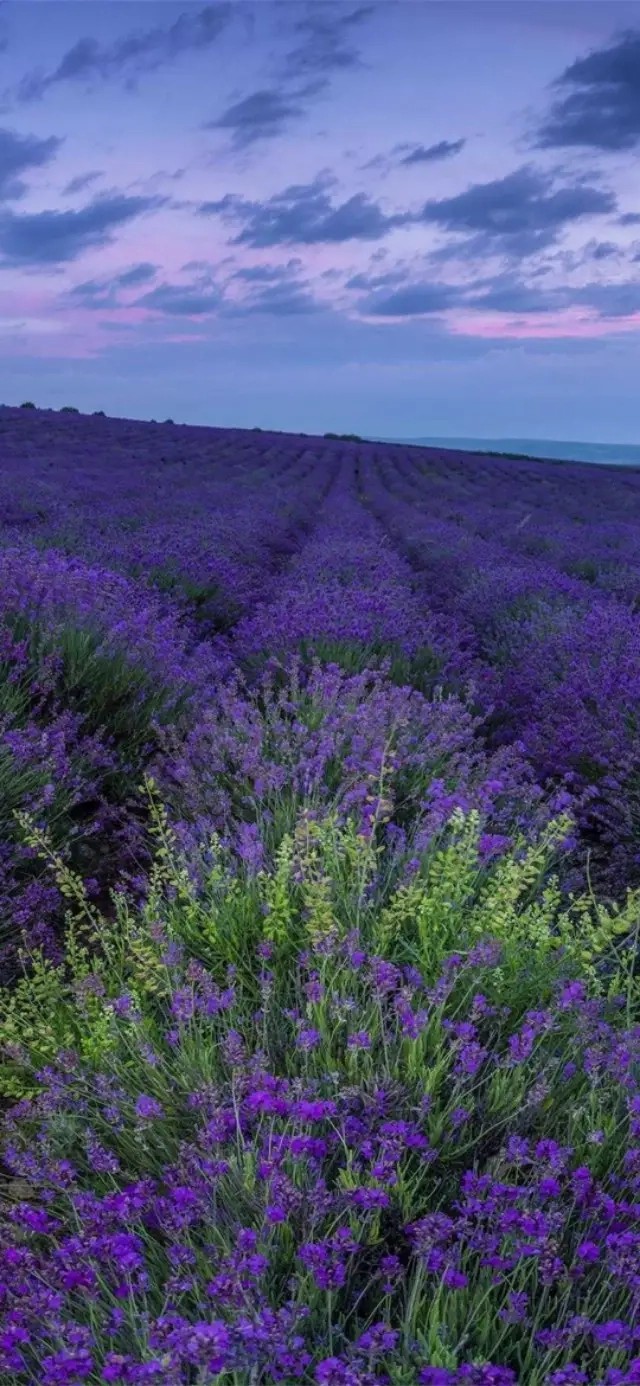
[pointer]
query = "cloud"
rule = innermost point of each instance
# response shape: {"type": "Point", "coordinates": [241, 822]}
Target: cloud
{"type": "Point", "coordinates": [610, 300]}
{"type": "Point", "coordinates": [432, 153]}
{"type": "Point", "coordinates": [324, 45]}
{"type": "Point", "coordinates": [412, 301]}
{"type": "Point", "coordinates": [629, 219]}
{"type": "Point", "coordinates": [601, 108]}
{"type": "Point", "coordinates": [521, 212]}
{"type": "Point", "coordinates": [104, 292]}
{"type": "Point", "coordinates": [143, 50]}
{"type": "Point", "coordinates": [303, 214]}
{"type": "Point", "coordinates": [51, 237]}
{"type": "Point", "coordinates": [19, 154]}
{"type": "Point", "coordinates": [269, 289]}
{"type": "Point", "coordinates": [80, 182]}
{"type": "Point", "coordinates": [138, 274]}
{"type": "Point", "coordinates": [266, 274]}
{"type": "Point", "coordinates": [282, 300]}
{"type": "Point", "coordinates": [262, 115]}
{"type": "Point", "coordinates": [601, 250]}
{"type": "Point", "coordinates": [507, 294]}
{"type": "Point", "coordinates": [303, 73]}
{"type": "Point", "coordinates": [373, 281]}
{"type": "Point", "coordinates": [177, 300]}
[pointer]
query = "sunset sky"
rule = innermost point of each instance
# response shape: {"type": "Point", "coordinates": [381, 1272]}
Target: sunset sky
{"type": "Point", "coordinates": [398, 218]}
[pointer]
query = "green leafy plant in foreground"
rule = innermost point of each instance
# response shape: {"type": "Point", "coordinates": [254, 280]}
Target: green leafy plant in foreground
{"type": "Point", "coordinates": [324, 885]}
{"type": "Point", "coordinates": [309, 1103]}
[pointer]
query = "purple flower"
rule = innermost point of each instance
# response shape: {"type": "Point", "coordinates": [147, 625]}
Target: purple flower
{"type": "Point", "coordinates": [335, 1371]}
{"type": "Point", "coordinates": [148, 1108]}
{"type": "Point", "coordinates": [378, 1340]}
{"type": "Point", "coordinates": [275, 1214]}
{"type": "Point", "coordinates": [614, 1333]}
{"type": "Point", "coordinates": [588, 1251]}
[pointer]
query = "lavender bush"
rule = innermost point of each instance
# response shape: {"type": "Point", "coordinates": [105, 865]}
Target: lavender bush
{"type": "Point", "coordinates": [276, 1129]}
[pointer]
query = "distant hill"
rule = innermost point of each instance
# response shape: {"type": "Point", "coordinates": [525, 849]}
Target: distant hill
{"type": "Point", "coordinates": [625, 454]}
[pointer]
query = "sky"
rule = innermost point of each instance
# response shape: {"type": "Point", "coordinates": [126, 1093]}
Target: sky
{"type": "Point", "coordinates": [399, 218]}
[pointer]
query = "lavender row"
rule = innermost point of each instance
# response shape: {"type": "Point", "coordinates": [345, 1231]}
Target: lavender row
{"type": "Point", "coordinates": [205, 520]}
{"type": "Point", "coordinates": [565, 660]}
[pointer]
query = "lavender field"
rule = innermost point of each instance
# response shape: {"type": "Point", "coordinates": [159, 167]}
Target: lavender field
{"type": "Point", "coordinates": [319, 886]}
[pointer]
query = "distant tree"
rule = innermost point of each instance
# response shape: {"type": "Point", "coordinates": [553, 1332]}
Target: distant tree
{"type": "Point", "coordinates": [69, 409]}
{"type": "Point", "coordinates": [256, 429]}
{"type": "Point", "coordinates": [168, 421]}
{"type": "Point", "coordinates": [28, 404]}
{"type": "Point", "coordinates": [100, 412]}
{"type": "Point", "coordinates": [346, 437]}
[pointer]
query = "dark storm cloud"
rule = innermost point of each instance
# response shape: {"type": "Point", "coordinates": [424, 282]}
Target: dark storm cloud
{"type": "Point", "coordinates": [522, 212]}
{"type": "Point", "coordinates": [19, 154]}
{"type": "Point", "coordinates": [51, 237]}
{"type": "Point", "coordinates": [143, 50]}
{"type": "Point", "coordinates": [429, 154]}
{"type": "Point", "coordinates": [600, 104]}
{"type": "Point", "coordinates": [303, 214]}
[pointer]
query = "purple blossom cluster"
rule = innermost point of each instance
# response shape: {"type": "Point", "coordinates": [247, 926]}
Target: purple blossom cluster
{"type": "Point", "coordinates": [221, 1207]}
{"type": "Point", "coordinates": [322, 736]}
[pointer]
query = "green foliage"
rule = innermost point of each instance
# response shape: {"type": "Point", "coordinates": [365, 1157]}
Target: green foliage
{"type": "Point", "coordinates": [113, 693]}
{"type": "Point", "coordinates": [324, 885]}
{"type": "Point", "coordinates": [422, 670]}
{"type": "Point", "coordinates": [70, 670]}
{"type": "Point", "coordinates": [69, 409]}
{"type": "Point", "coordinates": [28, 404]}
{"type": "Point", "coordinates": [206, 602]}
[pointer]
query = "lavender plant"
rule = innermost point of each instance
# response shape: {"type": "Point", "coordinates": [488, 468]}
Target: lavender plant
{"type": "Point", "coordinates": [267, 1131]}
